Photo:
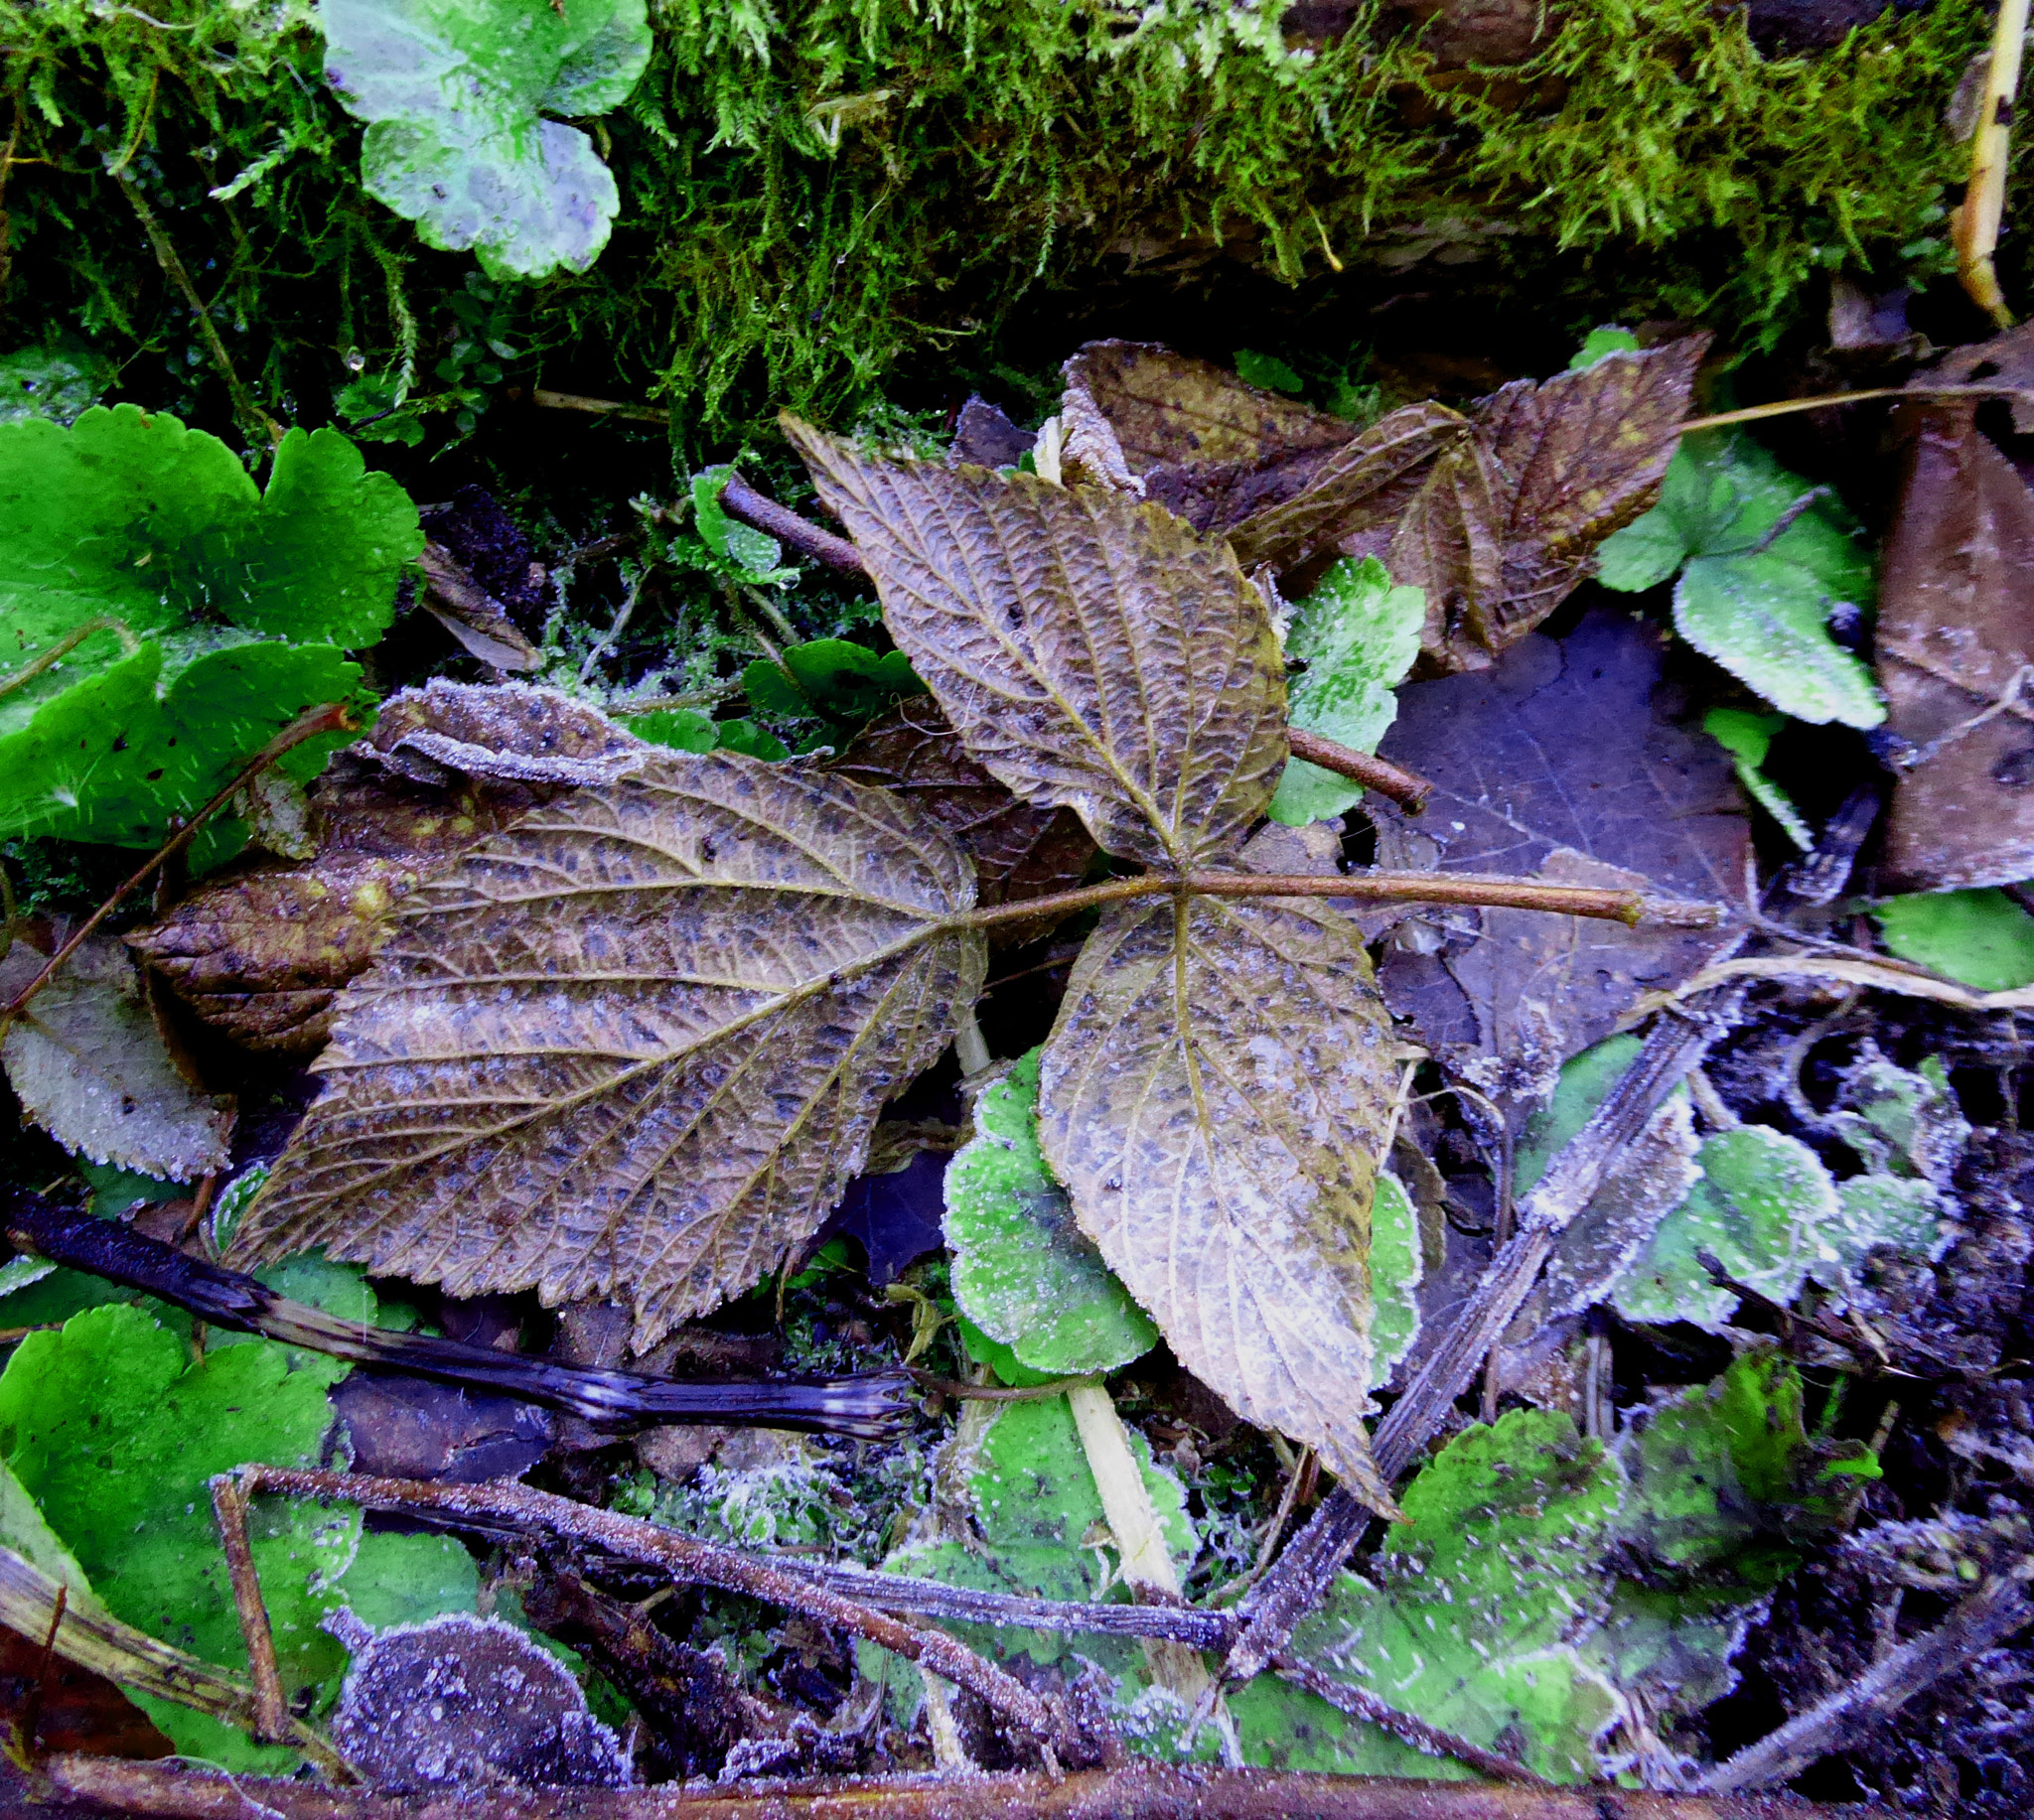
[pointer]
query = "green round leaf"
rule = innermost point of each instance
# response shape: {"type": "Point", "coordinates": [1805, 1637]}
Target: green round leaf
{"type": "Point", "coordinates": [1022, 1271]}
{"type": "Point", "coordinates": [455, 94]}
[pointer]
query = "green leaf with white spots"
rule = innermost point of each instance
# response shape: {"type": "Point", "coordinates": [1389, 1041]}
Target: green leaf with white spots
{"type": "Point", "coordinates": [115, 1431]}
{"type": "Point", "coordinates": [1023, 1271]}
{"type": "Point", "coordinates": [1765, 559]}
{"type": "Point", "coordinates": [464, 135]}
{"type": "Point", "coordinates": [1396, 1266]}
{"type": "Point", "coordinates": [1358, 634]}
{"type": "Point", "coordinates": [1468, 1617]}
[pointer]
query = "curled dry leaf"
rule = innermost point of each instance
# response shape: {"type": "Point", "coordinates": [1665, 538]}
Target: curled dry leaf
{"type": "Point", "coordinates": [1213, 1096]}
{"type": "Point", "coordinates": [1019, 851]}
{"type": "Point", "coordinates": [1954, 644]}
{"type": "Point", "coordinates": [637, 1042]}
{"type": "Point", "coordinates": [261, 951]}
{"type": "Point", "coordinates": [90, 1066]}
{"type": "Point", "coordinates": [1092, 652]}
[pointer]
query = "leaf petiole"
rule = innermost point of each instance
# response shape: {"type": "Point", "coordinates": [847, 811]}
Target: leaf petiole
{"type": "Point", "coordinates": [1631, 907]}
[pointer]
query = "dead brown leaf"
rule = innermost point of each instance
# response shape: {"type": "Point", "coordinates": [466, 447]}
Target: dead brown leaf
{"type": "Point", "coordinates": [1955, 644]}
{"type": "Point", "coordinates": [1213, 1096]}
{"type": "Point", "coordinates": [1188, 434]}
{"type": "Point", "coordinates": [1091, 651]}
{"type": "Point", "coordinates": [638, 1041]}
{"type": "Point", "coordinates": [1019, 852]}
{"type": "Point", "coordinates": [1563, 761]}
{"type": "Point", "coordinates": [261, 951]}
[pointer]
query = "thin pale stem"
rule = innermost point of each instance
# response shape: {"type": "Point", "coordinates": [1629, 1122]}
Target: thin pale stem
{"type": "Point", "coordinates": [332, 718]}
{"type": "Point", "coordinates": [1631, 907]}
{"type": "Point", "coordinates": [62, 648]}
{"type": "Point", "coordinates": [1823, 401]}
{"type": "Point", "coordinates": [1974, 232]}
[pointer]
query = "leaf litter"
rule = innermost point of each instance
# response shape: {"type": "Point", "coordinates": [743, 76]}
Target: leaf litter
{"type": "Point", "coordinates": [617, 1016]}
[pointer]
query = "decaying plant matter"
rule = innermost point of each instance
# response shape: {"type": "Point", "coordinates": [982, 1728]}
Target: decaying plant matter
{"type": "Point", "coordinates": [639, 1041]}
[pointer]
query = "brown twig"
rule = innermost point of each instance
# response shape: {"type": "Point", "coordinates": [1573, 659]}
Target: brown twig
{"type": "Point", "coordinates": [1137, 1791]}
{"type": "Point", "coordinates": [30, 1718]}
{"type": "Point", "coordinates": [741, 501]}
{"type": "Point", "coordinates": [599, 407]}
{"type": "Point", "coordinates": [685, 1559]}
{"type": "Point", "coordinates": [1409, 791]}
{"type": "Point", "coordinates": [1989, 1616]}
{"type": "Point", "coordinates": [1631, 907]}
{"type": "Point", "coordinates": [332, 718]}
{"type": "Point", "coordinates": [1825, 401]}
{"type": "Point", "coordinates": [1429, 1740]}
{"type": "Point", "coordinates": [272, 1710]}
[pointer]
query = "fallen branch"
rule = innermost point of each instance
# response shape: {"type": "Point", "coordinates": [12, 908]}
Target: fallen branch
{"type": "Point", "coordinates": [1974, 230]}
{"type": "Point", "coordinates": [1443, 1366]}
{"type": "Point", "coordinates": [741, 501]}
{"type": "Point", "coordinates": [867, 1408]}
{"type": "Point", "coordinates": [691, 1562]}
{"type": "Point", "coordinates": [1141, 1791]}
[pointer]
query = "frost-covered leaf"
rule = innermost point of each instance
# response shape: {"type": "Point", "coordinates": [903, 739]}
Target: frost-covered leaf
{"type": "Point", "coordinates": [1763, 1209]}
{"type": "Point", "coordinates": [1091, 651]}
{"type": "Point", "coordinates": [1358, 635]}
{"type": "Point", "coordinates": [460, 1701]}
{"type": "Point", "coordinates": [636, 1043]}
{"type": "Point", "coordinates": [1748, 738]}
{"type": "Point", "coordinates": [1019, 851]}
{"type": "Point", "coordinates": [1981, 938]}
{"type": "Point", "coordinates": [1468, 1617]}
{"type": "Point", "coordinates": [1764, 562]}
{"type": "Point", "coordinates": [457, 97]}
{"type": "Point", "coordinates": [1040, 1530]}
{"type": "Point", "coordinates": [88, 1066]}
{"type": "Point", "coordinates": [1213, 1094]}
{"type": "Point", "coordinates": [1396, 1266]}
{"type": "Point", "coordinates": [1022, 1271]}
{"type": "Point", "coordinates": [114, 1432]}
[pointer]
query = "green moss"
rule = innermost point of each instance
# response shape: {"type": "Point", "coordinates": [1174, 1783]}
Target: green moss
{"type": "Point", "coordinates": [814, 193]}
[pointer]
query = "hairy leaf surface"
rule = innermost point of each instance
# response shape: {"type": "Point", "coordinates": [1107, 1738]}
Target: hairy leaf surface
{"type": "Point", "coordinates": [1092, 652]}
{"type": "Point", "coordinates": [1213, 1096]}
{"type": "Point", "coordinates": [637, 1041]}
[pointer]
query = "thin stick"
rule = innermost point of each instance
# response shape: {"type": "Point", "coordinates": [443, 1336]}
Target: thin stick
{"type": "Point", "coordinates": [1975, 232]}
{"type": "Point", "coordinates": [1785, 407]}
{"type": "Point", "coordinates": [272, 1710]}
{"type": "Point", "coordinates": [1987, 1617]}
{"type": "Point", "coordinates": [741, 501]}
{"type": "Point", "coordinates": [1431, 1740]}
{"type": "Point", "coordinates": [30, 1719]}
{"type": "Point", "coordinates": [1631, 907]}
{"type": "Point", "coordinates": [1409, 791]}
{"type": "Point", "coordinates": [1137, 1791]}
{"type": "Point", "coordinates": [62, 648]}
{"type": "Point", "coordinates": [332, 718]}
{"type": "Point", "coordinates": [253, 419]}
{"type": "Point", "coordinates": [693, 1562]}
{"type": "Point", "coordinates": [997, 1393]}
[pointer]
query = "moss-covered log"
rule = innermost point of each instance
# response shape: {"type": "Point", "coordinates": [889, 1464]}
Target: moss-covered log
{"type": "Point", "coordinates": [812, 193]}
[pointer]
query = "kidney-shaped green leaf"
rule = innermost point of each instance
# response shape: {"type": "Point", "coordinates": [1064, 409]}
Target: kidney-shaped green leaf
{"type": "Point", "coordinates": [456, 93]}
